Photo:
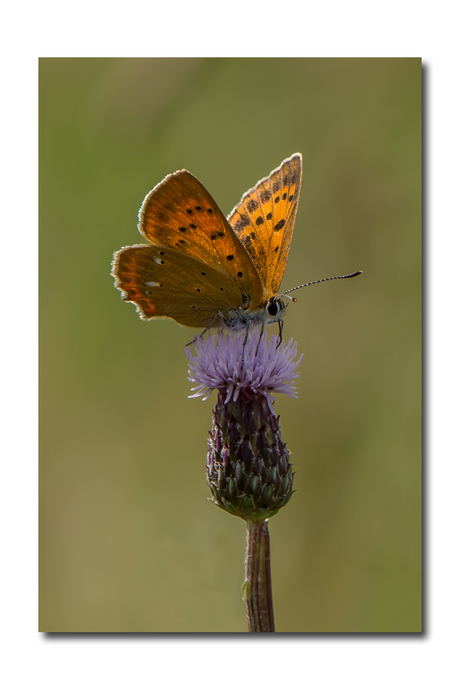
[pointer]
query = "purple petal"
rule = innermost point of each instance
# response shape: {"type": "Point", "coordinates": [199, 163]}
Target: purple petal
{"type": "Point", "coordinates": [216, 365]}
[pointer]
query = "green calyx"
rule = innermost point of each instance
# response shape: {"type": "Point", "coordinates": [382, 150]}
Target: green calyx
{"type": "Point", "coordinates": [248, 469]}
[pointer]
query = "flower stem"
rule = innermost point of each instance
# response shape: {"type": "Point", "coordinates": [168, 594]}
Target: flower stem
{"type": "Point", "coordinates": [257, 587]}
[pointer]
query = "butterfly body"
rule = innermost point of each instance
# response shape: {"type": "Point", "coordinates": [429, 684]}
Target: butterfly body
{"type": "Point", "coordinates": [204, 270]}
{"type": "Point", "coordinates": [247, 318]}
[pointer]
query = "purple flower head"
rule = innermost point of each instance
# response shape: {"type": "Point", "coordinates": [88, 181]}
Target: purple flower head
{"type": "Point", "coordinates": [266, 370]}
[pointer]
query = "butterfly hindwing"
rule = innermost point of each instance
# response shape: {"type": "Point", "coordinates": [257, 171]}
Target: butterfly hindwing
{"type": "Point", "coordinates": [264, 221]}
{"type": "Point", "coordinates": [164, 282]}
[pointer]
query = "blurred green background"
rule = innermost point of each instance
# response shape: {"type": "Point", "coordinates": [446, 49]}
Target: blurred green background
{"type": "Point", "coordinates": [128, 541]}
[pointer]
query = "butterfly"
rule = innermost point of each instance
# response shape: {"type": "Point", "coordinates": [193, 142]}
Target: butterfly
{"type": "Point", "coordinates": [202, 269]}
{"type": "Point", "coordinates": [205, 270]}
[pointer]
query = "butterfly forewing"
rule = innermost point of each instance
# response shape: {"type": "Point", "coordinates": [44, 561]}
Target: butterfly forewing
{"type": "Point", "coordinates": [264, 221]}
{"type": "Point", "coordinates": [164, 282]}
{"type": "Point", "coordinates": [180, 214]}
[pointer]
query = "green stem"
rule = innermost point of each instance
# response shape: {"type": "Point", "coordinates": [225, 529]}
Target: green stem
{"type": "Point", "coordinates": [257, 587]}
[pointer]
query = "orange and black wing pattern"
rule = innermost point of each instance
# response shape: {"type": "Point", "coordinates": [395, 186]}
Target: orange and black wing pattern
{"type": "Point", "coordinates": [165, 283]}
{"type": "Point", "coordinates": [264, 221]}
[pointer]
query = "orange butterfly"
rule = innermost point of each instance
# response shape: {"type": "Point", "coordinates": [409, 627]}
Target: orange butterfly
{"type": "Point", "coordinates": [204, 270]}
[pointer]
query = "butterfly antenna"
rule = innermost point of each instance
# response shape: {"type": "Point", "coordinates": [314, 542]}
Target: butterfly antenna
{"type": "Point", "coordinates": [314, 282]}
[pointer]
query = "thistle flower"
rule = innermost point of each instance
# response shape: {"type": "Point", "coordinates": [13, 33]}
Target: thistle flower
{"type": "Point", "coordinates": [267, 368]}
{"type": "Point", "coordinates": [248, 468]}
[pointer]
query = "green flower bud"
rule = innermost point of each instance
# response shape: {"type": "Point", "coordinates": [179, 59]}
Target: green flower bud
{"type": "Point", "coordinates": [248, 468]}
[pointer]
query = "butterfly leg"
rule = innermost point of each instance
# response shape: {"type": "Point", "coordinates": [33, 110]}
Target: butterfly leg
{"type": "Point", "coordinates": [262, 329]}
{"type": "Point", "coordinates": [280, 333]}
{"type": "Point", "coordinates": [246, 335]}
{"type": "Point", "coordinates": [208, 327]}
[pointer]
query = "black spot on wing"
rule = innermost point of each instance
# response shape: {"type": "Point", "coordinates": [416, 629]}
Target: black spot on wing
{"type": "Point", "coordinates": [265, 195]}
{"type": "Point", "coordinates": [242, 222]}
{"type": "Point", "coordinates": [249, 239]}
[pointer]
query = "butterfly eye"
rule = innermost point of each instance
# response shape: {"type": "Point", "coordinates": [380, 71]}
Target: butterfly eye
{"type": "Point", "coordinates": [274, 307]}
